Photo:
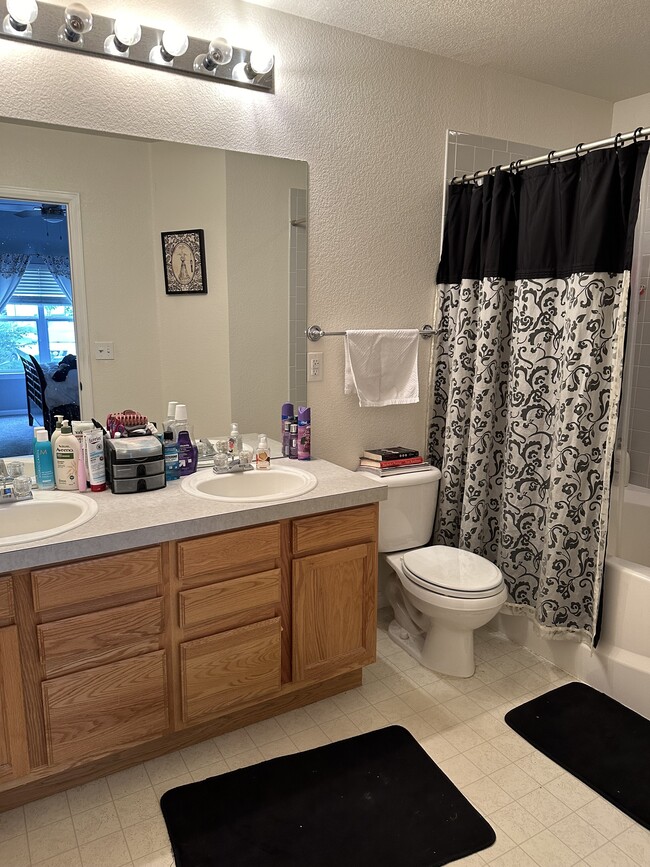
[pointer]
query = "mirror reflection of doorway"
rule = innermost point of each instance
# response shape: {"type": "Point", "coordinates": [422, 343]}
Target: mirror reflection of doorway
{"type": "Point", "coordinates": [38, 353]}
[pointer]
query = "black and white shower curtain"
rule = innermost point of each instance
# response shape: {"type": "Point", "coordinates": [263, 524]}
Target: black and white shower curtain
{"type": "Point", "coordinates": [533, 289]}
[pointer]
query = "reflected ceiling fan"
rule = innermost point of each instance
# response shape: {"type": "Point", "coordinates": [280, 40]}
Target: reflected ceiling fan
{"type": "Point", "coordinates": [48, 212]}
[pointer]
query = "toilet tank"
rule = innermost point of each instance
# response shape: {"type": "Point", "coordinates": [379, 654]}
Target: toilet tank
{"type": "Point", "coordinates": [406, 517]}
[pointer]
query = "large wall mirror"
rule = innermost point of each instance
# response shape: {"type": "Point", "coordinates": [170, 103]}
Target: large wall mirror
{"type": "Point", "coordinates": [233, 353]}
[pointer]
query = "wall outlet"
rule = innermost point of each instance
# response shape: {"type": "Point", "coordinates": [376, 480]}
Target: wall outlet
{"type": "Point", "coordinates": [314, 367]}
{"type": "Point", "coordinates": [104, 350]}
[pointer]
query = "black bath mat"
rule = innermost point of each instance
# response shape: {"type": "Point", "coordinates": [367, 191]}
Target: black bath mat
{"type": "Point", "coordinates": [375, 799]}
{"type": "Point", "coordinates": [596, 739]}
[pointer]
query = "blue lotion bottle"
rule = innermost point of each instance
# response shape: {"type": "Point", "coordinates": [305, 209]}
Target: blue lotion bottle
{"type": "Point", "coordinates": [43, 463]}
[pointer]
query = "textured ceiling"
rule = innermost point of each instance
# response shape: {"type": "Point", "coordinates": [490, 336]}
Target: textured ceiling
{"type": "Point", "coordinates": [598, 47]}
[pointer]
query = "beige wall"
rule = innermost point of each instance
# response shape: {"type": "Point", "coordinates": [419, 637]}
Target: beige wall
{"type": "Point", "coordinates": [188, 190]}
{"type": "Point", "coordinates": [630, 113]}
{"type": "Point", "coordinates": [373, 133]}
{"type": "Point", "coordinates": [112, 179]}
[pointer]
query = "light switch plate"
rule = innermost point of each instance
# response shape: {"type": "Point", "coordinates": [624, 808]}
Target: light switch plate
{"type": "Point", "coordinates": [104, 350]}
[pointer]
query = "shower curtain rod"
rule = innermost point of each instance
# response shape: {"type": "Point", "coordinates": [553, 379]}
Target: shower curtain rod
{"type": "Point", "coordinates": [617, 140]}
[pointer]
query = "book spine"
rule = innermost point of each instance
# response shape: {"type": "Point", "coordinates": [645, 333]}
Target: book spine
{"type": "Point", "coordinates": [391, 455]}
{"type": "Point", "coordinates": [399, 462]}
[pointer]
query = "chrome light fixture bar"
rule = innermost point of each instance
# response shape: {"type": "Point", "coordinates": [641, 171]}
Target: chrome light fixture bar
{"type": "Point", "coordinates": [123, 39]}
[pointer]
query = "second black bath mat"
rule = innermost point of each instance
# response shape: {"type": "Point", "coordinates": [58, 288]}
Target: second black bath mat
{"type": "Point", "coordinates": [598, 740]}
{"type": "Point", "coordinates": [375, 800]}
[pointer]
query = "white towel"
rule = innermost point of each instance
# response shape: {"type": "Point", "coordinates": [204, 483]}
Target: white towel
{"type": "Point", "coordinates": [382, 366]}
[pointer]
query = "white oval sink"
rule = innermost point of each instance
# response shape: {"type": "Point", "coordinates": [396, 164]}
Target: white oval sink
{"type": "Point", "coordinates": [252, 486]}
{"type": "Point", "coordinates": [48, 514]}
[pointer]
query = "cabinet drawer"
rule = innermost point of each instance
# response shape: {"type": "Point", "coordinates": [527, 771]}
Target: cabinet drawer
{"type": "Point", "coordinates": [92, 713]}
{"type": "Point", "coordinates": [229, 670]}
{"type": "Point", "coordinates": [92, 580]}
{"type": "Point", "coordinates": [205, 604]}
{"type": "Point", "coordinates": [334, 529]}
{"type": "Point", "coordinates": [228, 551]}
{"type": "Point", "coordinates": [100, 637]}
{"type": "Point", "coordinates": [6, 602]}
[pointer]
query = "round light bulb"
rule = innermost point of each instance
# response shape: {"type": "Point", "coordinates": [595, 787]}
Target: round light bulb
{"type": "Point", "coordinates": [220, 51]}
{"type": "Point", "coordinates": [240, 72]}
{"type": "Point", "coordinates": [23, 11]}
{"type": "Point", "coordinates": [127, 30]}
{"type": "Point", "coordinates": [78, 19]}
{"type": "Point", "coordinates": [261, 61]}
{"type": "Point", "coordinates": [175, 42]}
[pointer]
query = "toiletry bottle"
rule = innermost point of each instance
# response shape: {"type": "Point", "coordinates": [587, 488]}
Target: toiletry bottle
{"type": "Point", "coordinates": [262, 454]}
{"type": "Point", "coordinates": [171, 414]}
{"type": "Point", "coordinates": [181, 422]}
{"type": "Point", "coordinates": [287, 416]}
{"type": "Point", "coordinates": [43, 464]}
{"type": "Point", "coordinates": [172, 469]}
{"type": "Point", "coordinates": [286, 438]}
{"type": "Point", "coordinates": [82, 478]}
{"type": "Point", "coordinates": [95, 460]}
{"type": "Point", "coordinates": [56, 433]}
{"type": "Point", "coordinates": [187, 454]}
{"type": "Point", "coordinates": [66, 458]}
{"type": "Point", "coordinates": [304, 433]}
{"type": "Point", "coordinates": [293, 441]}
{"type": "Point", "coordinates": [234, 440]}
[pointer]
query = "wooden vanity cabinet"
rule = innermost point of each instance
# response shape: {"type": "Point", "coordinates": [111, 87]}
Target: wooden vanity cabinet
{"type": "Point", "coordinates": [334, 593]}
{"type": "Point", "coordinates": [130, 655]}
{"type": "Point", "coordinates": [14, 759]}
{"type": "Point", "coordinates": [101, 657]}
{"type": "Point", "coordinates": [230, 625]}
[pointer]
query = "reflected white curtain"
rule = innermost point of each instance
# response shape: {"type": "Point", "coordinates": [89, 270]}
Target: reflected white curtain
{"type": "Point", "coordinates": [59, 267]}
{"type": "Point", "coordinates": [12, 268]}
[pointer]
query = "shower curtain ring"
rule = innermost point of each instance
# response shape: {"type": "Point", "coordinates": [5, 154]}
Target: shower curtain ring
{"type": "Point", "coordinates": [579, 147]}
{"type": "Point", "coordinates": [518, 166]}
{"type": "Point", "coordinates": [618, 140]}
{"type": "Point", "coordinates": [474, 176]}
{"type": "Point", "coordinates": [492, 170]}
{"type": "Point", "coordinates": [512, 168]}
{"type": "Point", "coordinates": [550, 156]}
{"type": "Point", "coordinates": [636, 133]}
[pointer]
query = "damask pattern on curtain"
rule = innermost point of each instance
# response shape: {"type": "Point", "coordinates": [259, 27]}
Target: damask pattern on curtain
{"type": "Point", "coordinates": [533, 290]}
{"type": "Point", "coordinates": [12, 268]}
{"type": "Point", "coordinates": [59, 267]}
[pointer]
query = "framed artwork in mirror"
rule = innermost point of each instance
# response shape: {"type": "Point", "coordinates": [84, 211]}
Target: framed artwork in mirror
{"type": "Point", "coordinates": [184, 262]}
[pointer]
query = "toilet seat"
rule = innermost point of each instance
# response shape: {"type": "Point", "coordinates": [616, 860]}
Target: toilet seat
{"type": "Point", "coordinates": [452, 572]}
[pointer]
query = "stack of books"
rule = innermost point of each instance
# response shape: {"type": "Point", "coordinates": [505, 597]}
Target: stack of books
{"type": "Point", "coordinates": [392, 460]}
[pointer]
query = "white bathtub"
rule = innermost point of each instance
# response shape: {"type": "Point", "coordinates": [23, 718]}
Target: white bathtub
{"type": "Point", "coordinates": [620, 665]}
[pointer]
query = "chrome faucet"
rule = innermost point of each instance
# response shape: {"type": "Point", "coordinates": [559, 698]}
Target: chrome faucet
{"type": "Point", "coordinates": [14, 486]}
{"type": "Point", "coordinates": [228, 463]}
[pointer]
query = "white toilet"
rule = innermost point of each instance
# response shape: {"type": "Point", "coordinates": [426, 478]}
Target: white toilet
{"type": "Point", "coordinates": [439, 595]}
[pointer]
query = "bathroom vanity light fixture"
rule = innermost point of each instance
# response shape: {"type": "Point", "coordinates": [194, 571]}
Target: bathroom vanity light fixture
{"type": "Point", "coordinates": [123, 38]}
{"type": "Point", "coordinates": [21, 14]}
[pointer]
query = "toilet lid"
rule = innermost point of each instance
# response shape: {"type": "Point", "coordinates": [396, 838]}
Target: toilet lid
{"type": "Point", "coordinates": [452, 572]}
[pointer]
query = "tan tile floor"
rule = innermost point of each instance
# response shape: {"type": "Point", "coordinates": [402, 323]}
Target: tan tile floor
{"type": "Point", "coordinates": [543, 816]}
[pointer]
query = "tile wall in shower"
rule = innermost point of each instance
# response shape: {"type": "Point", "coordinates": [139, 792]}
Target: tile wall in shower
{"type": "Point", "coordinates": [639, 438]}
{"type": "Point", "coordinates": [467, 153]}
{"type": "Point", "coordinates": [298, 300]}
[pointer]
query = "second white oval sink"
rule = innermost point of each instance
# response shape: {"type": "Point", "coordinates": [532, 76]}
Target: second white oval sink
{"type": "Point", "coordinates": [47, 514]}
{"type": "Point", "coordinates": [253, 486]}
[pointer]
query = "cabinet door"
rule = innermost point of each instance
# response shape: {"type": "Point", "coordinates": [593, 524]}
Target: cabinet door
{"type": "Point", "coordinates": [14, 760]}
{"type": "Point", "coordinates": [230, 670]}
{"type": "Point", "coordinates": [93, 713]}
{"type": "Point", "coordinates": [334, 612]}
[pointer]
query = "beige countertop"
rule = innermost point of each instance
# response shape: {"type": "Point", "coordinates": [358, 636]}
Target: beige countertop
{"type": "Point", "coordinates": [125, 521]}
